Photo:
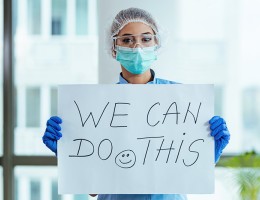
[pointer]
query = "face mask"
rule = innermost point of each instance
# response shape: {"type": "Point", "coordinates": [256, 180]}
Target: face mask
{"type": "Point", "coordinates": [136, 60]}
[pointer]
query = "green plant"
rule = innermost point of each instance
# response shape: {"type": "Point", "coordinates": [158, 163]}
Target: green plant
{"type": "Point", "coordinates": [246, 173]}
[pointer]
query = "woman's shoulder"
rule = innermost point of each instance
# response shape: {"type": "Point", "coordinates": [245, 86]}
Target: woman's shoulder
{"type": "Point", "coordinates": [164, 81]}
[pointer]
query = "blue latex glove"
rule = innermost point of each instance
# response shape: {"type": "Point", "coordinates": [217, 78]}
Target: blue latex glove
{"type": "Point", "coordinates": [220, 133]}
{"type": "Point", "coordinates": [52, 133]}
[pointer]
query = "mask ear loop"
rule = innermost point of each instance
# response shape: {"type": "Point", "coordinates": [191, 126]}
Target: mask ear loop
{"type": "Point", "coordinates": [114, 47]}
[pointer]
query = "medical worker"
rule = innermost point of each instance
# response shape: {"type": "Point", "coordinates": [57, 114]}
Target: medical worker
{"type": "Point", "coordinates": [134, 42]}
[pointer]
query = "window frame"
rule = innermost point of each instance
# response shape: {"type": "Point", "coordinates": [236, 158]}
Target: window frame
{"type": "Point", "coordinates": [9, 160]}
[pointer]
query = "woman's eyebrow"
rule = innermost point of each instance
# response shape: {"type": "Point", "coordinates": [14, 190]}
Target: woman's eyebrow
{"type": "Point", "coordinates": [135, 34]}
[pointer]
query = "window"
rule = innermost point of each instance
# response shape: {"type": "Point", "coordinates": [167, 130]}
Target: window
{"type": "Point", "coordinates": [81, 197]}
{"type": "Point", "coordinates": [59, 17]}
{"type": "Point", "coordinates": [251, 109]}
{"type": "Point", "coordinates": [33, 105]}
{"type": "Point", "coordinates": [218, 100]}
{"type": "Point", "coordinates": [54, 101]}
{"type": "Point", "coordinates": [35, 189]}
{"type": "Point", "coordinates": [34, 17]}
{"type": "Point", "coordinates": [81, 17]}
{"type": "Point", "coordinates": [54, 191]}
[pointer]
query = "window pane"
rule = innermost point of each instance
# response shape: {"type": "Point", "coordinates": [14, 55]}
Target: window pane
{"type": "Point", "coordinates": [218, 100]}
{"type": "Point", "coordinates": [33, 107]}
{"type": "Point", "coordinates": [40, 183]}
{"type": "Point", "coordinates": [34, 16]}
{"type": "Point", "coordinates": [59, 17]}
{"type": "Point", "coordinates": [42, 62]}
{"type": "Point", "coordinates": [54, 101]}
{"type": "Point", "coordinates": [35, 189]}
{"type": "Point", "coordinates": [251, 116]}
{"type": "Point", "coordinates": [81, 18]}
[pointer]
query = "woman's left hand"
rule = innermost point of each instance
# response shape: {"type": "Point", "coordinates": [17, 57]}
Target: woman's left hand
{"type": "Point", "coordinates": [220, 133]}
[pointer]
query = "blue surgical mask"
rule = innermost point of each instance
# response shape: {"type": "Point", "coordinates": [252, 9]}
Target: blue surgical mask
{"type": "Point", "coordinates": [136, 60]}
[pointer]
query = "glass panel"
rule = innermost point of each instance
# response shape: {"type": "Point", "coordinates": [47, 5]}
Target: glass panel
{"type": "Point", "coordinates": [251, 116]}
{"type": "Point", "coordinates": [81, 18]}
{"type": "Point", "coordinates": [35, 189]}
{"type": "Point", "coordinates": [59, 17]}
{"type": "Point", "coordinates": [33, 107]}
{"type": "Point", "coordinates": [34, 16]}
{"type": "Point", "coordinates": [1, 77]}
{"type": "Point", "coordinates": [54, 101]}
{"type": "Point", "coordinates": [40, 183]}
{"type": "Point", "coordinates": [218, 100]}
{"type": "Point", "coordinates": [42, 62]}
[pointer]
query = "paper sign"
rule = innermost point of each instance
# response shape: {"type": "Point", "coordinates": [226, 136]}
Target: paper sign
{"type": "Point", "coordinates": [135, 139]}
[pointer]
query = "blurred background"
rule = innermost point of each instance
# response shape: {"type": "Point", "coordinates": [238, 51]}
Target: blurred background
{"type": "Point", "coordinates": [44, 43]}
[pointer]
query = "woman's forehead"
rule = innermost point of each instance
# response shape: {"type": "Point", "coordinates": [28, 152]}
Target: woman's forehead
{"type": "Point", "coordinates": [135, 28]}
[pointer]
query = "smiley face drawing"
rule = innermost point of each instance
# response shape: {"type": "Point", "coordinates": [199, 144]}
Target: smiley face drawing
{"type": "Point", "coordinates": [125, 159]}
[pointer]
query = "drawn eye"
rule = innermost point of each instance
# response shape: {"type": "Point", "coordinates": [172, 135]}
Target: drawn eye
{"type": "Point", "coordinates": [127, 155]}
{"type": "Point", "coordinates": [123, 155]}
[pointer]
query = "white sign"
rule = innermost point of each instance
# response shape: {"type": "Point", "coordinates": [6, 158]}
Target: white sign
{"type": "Point", "coordinates": [136, 139]}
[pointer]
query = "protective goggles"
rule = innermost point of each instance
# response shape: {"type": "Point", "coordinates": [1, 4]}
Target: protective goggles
{"type": "Point", "coordinates": [132, 41]}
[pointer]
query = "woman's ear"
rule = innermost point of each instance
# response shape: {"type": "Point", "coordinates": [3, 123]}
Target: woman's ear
{"type": "Point", "coordinates": [114, 54]}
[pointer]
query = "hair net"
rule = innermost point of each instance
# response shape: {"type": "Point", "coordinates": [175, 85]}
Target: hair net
{"type": "Point", "coordinates": [131, 15]}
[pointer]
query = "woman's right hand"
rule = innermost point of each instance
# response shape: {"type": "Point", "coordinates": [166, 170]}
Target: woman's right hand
{"type": "Point", "coordinates": [52, 133]}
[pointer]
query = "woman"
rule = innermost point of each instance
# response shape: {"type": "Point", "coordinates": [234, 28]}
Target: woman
{"type": "Point", "coordinates": [135, 41]}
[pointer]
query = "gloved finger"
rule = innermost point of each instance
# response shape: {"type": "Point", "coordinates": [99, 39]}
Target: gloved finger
{"type": "Point", "coordinates": [217, 123]}
{"type": "Point", "coordinates": [50, 136]}
{"type": "Point", "coordinates": [226, 136]}
{"type": "Point", "coordinates": [53, 131]}
{"type": "Point", "coordinates": [56, 119]}
{"type": "Point", "coordinates": [222, 134]}
{"type": "Point", "coordinates": [221, 127]}
{"type": "Point", "coordinates": [221, 144]}
{"type": "Point", "coordinates": [213, 119]}
{"type": "Point", "coordinates": [55, 125]}
{"type": "Point", "coordinates": [52, 145]}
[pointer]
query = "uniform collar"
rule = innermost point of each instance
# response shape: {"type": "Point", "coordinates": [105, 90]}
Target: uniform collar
{"type": "Point", "coordinates": [122, 80]}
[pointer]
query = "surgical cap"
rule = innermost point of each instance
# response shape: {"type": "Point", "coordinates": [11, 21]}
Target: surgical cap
{"type": "Point", "coordinates": [132, 15]}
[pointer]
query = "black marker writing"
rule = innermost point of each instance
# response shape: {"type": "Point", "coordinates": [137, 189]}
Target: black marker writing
{"type": "Point", "coordinates": [80, 147]}
{"type": "Point", "coordinates": [148, 116]}
{"type": "Point", "coordinates": [90, 114]}
{"type": "Point", "coordinates": [148, 144]}
{"type": "Point", "coordinates": [175, 113]}
{"type": "Point", "coordinates": [111, 149]}
{"type": "Point", "coordinates": [195, 118]}
{"type": "Point", "coordinates": [193, 152]}
{"type": "Point", "coordinates": [118, 115]}
{"type": "Point", "coordinates": [179, 150]}
{"type": "Point", "coordinates": [167, 149]}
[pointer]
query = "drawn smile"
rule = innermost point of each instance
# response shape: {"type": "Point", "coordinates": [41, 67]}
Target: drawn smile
{"type": "Point", "coordinates": [125, 159]}
{"type": "Point", "coordinates": [125, 162]}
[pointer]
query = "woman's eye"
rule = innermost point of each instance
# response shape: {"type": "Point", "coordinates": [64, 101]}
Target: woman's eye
{"type": "Point", "coordinates": [148, 39]}
{"type": "Point", "coordinates": [126, 40]}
